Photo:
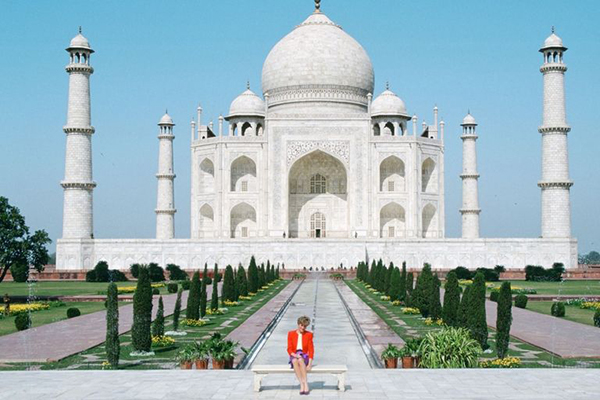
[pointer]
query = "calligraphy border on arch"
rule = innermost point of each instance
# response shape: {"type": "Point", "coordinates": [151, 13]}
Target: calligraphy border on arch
{"type": "Point", "coordinates": [297, 148]}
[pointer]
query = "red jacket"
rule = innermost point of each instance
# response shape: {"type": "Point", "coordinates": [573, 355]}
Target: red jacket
{"type": "Point", "coordinates": [307, 343]}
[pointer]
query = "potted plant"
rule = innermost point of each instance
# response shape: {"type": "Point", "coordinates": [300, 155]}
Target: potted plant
{"type": "Point", "coordinates": [201, 353]}
{"type": "Point", "coordinates": [390, 356]}
{"type": "Point", "coordinates": [405, 355]}
{"type": "Point", "coordinates": [185, 357]}
{"type": "Point", "coordinates": [222, 352]}
{"type": "Point", "coordinates": [412, 349]}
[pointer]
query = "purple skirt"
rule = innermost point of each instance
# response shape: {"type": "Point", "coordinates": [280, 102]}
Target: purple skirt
{"type": "Point", "coordinates": [304, 356]}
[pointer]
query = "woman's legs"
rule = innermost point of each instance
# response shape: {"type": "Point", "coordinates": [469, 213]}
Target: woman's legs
{"type": "Point", "coordinates": [296, 362]}
{"type": "Point", "coordinates": [304, 381]}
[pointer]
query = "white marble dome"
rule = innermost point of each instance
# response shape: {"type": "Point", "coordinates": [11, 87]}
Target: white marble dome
{"type": "Point", "coordinates": [166, 120]}
{"type": "Point", "coordinates": [469, 120]}
{"type": "Point", "coordinates": [388, 103]}
{"type": "Point", "coordinates": [247, 104]}
{"type": "Point", "coordinates": [318, 53]}
{"type": "Point", "coordinates": [553, 41]}
{"type": "Point", "coordinates": [80, 42]}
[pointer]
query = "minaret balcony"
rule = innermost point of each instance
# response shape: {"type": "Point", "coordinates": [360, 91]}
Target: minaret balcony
{"type": "Point", "coordinates": [79, 68]}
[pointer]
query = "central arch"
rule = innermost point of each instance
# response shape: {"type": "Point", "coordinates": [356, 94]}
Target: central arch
{"type": "Point", "coordinates": [317, 186]}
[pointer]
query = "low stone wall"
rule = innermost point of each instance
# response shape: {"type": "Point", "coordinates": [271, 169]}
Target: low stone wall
{"type": "Point", "coordinates": [514, 254]}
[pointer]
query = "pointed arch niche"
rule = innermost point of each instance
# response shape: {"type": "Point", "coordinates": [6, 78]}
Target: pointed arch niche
{"type": "Point", "coordinates": [429, 221]}
{"type": "Point", "coordinates": [207, 176]}
{"type": "Point", "coordinates": [317, 183]}
{"type": "Point", "coordinates": [428, 176]}
{"type": "Point", "coordinates": [392, 221]}
{"type": "Point", "coordinates": [243, 221]}
{"type": "Point", "coordinates": [243, 175]}
{"type": "Point", "coordinates": [207, 221]}
{"type": "Point", "coordinates": [392, 175]}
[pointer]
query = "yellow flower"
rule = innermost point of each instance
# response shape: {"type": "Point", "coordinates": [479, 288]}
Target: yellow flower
{"type": "Point", "coordinates": [162, 341]}
{"type": "Point", "coordinates": [194, 322]}
{"type": "Point", "coordinates": [396, 303]}
{"type": "Point", "coordinates": [385, 298]}
{"type": "Point", "coordinates": [231, 303]}
{"type": "Point", "coordinates": [21, 308]}
{"type": "Point", "coordinates": [410, 310]}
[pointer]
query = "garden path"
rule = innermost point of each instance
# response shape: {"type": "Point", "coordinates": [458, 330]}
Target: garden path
{"type": "Point", "coordinates": [53, 342]}
{"type": "Point", "coordinates": [559, 336]}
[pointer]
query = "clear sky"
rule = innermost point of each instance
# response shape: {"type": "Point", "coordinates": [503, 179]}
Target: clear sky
{"type": "Point", "coordinates": [151, 55]}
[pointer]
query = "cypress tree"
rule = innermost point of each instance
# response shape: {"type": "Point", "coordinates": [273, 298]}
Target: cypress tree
{"type": "Point", "coordinates": [388, 278]}
{"type": "Point", "coordinates": [203, 299]}
{"type": "Point", "coordinates": [252, 276]}
{"type": "Point", "coordinates": [503, 319]}
{"type": "Point", "coordinates": [410, 281]}
{"type": "Point", "coordinates": [269, 276]}
{"type": "Point", "coordinates": [394, 292]}
{"type": "Point", "coordinates": [476, 321]}
{"type": "Point", "coordinates": [380, 277]}
{"type": "Point", "coordinates": [193, 301]}
{"type": "Point", "coordinates": [242, 281]}
{"type": "Point", "coordinates": [228, 291]}
{"type": "Point", "coordinates": [436, 307]}
{"type": "Point", "coordinates": [112, 345]}
{"type": "Point", "coordinates": [422, 294]}
{"type": "Point", "coordinates": [277, 273]}
{"type": "Point", "coordinates": [463, 308]}
{"type": "Point", "coordinates": [236, 289]}
{"type": "Point", "coordinates": [177, 310]}
{"type": "Point", "coordinates": [158, 327]}
{"type": "Point", "coordinates": [141, 336]}
{"type": "Point", "coordinates": [451, 300]}
{"type": "Point", "coordinates": [214, 301]}
{"type": "Point", "coordinates": [402, 283]}
{"type": "Point", "coordinates": [261, 276]}
{"type": "Point", "coordinates": [372, 274]}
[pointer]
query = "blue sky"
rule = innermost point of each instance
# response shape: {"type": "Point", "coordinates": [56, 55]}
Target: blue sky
{"type": "Point", "coordinates": [152, 55]}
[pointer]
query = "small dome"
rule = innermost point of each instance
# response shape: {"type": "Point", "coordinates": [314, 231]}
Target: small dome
{"type": "Point", "coordinates": [553, 42]}
{"type": "Point", "coordinates": [166, 120]}
{"type": "Point", "coordinates": [247, 104]}
{"type": "Point", "coordinates": [387, 103]}
{"type": "Point", "coordinates": [80, 42]}
{"type": "Point", "coordinates": [317, 53]}
{"type": "Point", "coordinates": [469, 120]}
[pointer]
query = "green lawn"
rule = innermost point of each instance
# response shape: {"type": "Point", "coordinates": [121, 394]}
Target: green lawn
{"type": "Point", "coordinates": [572, 313]}
{"type": "Point", "coordinates": [584, 287]}
{"type": "Point", "coordinates": [414, 326]}
{"type": "Point", "coordinates": [164, 358]}
{"type": "Point", "coordinates": [59, 288]}
{"type": "Point", "coordinates": [53, 314]}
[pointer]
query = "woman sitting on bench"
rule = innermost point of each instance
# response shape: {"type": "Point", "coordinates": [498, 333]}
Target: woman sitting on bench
{"type": "Point", "coordinates": [301, 351]}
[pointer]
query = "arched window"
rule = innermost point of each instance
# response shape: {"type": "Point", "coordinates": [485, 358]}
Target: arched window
{"type": "Point", "coordinates": [317, 225]}
{"type": "Point", "coordinates": [392, 221]}
{"type": "Point", "coordinates": [207, 218]}
{"type": "Point", "coordinates": [259, 130]}
{"type": "Point", "coordinates": [243, 169]}
{"type": "Point", "coordinates": [246, 129]}
{"type": "Point", "coordinates": [243, 221]}
{"type": "Point", "coordinates": [391, 175]}
{"type": "Point", "coordinates": [388, 129]}
{"type": "Point", "coordinates": [318, 184]}
{"type": "Point", "coordinates": [428, 176]}
{"type": "Point", "coordinates": [376, 130]}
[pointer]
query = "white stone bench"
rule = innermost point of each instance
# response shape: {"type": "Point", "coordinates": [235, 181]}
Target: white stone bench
{"type": "Point", "coordinates": [260, 371]}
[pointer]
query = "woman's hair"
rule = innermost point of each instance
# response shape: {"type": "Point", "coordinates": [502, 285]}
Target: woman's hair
{"type": "Point", "coordinates": [304, 320]}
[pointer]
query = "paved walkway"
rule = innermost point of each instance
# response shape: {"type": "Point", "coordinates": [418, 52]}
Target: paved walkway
{"type": "Point", "coordinates": [335, 340]}
{"type": "Point", "coordinates": [53, 342]}
{"type": "Point", "coordinates": [371, 384]}
{"type": "Point", "coordinates": [559, 336]}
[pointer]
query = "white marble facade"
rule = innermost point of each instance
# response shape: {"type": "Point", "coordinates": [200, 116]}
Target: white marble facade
{"type": "Point", "coordinates": [317, 172]}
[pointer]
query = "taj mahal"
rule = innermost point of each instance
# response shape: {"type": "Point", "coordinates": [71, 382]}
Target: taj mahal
{"type": "Point", "coordinates": [318, 170]}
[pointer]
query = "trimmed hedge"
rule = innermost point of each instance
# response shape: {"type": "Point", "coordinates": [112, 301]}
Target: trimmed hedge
{"type": "Point", "coordinates": [172, 287]}
{"type": "Point", "coordinates": [22, 321]}
{"type": "Point", "coordinates": [521, 301]}
{"type": "Point", "coordinates": [494, 295]}
{"type": "Point", "coordinates": [73, 312]}
{"type": "Point", "coordinates": [558, 309]}
{"type": "Point", "coordinates": [185, 285]}
{"type": "Point", "coordinates": [597, 318]}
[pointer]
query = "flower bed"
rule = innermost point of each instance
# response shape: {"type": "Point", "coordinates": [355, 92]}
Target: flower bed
{"type": "Point", "coordinates": [229, 303]}
{"type": "Point", "coordinates": [508, 362]}
{"type": "Point", "coordinates": [219, 311]}
{"type": "Point", "coordinates": [245, 297]}
{"type": "Point", "coordinates": [131, 289]}
{"type": "Point", "coordinates": [410, 311]}
{"type": "Point", "coordinates": [430, 322]}
{"type": "Point", "coordinates": [23, 308]}
{"type": "Point", "coordinates": [162, 341]}
{"type": "Point", "coordinates": [194, 322]}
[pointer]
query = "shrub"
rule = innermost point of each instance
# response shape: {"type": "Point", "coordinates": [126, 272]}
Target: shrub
{"type": "Point", "coordinates": [521, 301]}
{"type": "Point", "coordinates": [597, 318]}
{"type": "Point", "coordinates": [242, 281]}
{"type": "Point", "coordinates": [203, 299]}
{"type": "Point", "coordinates": [402, 283]}
{"type": "Point", "coordinates": [90, 276]}
{"type": "Point", "coordinates": [252, 276]}
{"type": "Point", "coordinates": [410, 280]}
{"type": "Point", "coordinates": [494, 295]}
{"type": "Point", "coordinates": [158, 327]}
{"type": "Point", "coordinates": [193, 301]}
{"type": "Point", "coordinates": [155, 291]}
{"type": "Point", "coordinates": [185, 285]}
{"type": "Point", "coordinates": [394, 291]}
{"type": "Point", "coordinates": [176, 273]}
{"type": "Point", "coordinates": [435, 310]}
{"type": "Point", "coordinates": [73, 312]}
{"type": "Point", "coordinates": [142, 313]}
{"type": "Point", "coordinates": [463, 273]}
{"type": "Point", "coordinates": [539, 274]}
{"type": "Point", "coordinates": [19, 272]}
{"type": "Point", "coordinates": [489, 274]}
{"type": "Point", "coordinates": [558, 309]}
{"type": "Point", "coordinates": [423, 293]}
{"type": "Point", "coordinates": [463, 308]}
{"type": "Point", "coordinates": [476, 321]}
{"type": "Point", "coordinates": [503, 319]}
{"type": "Point", "coordinates": [261, 276]}
{"type": "Point", "coordinates": [112, 345]}
{"type": "Point", "coordinates": [451, 300]}
{"type": "Point", "coordinates": [117, 276]}
{"type": "Point", "coordinates": [157, 274]}
{"type": "Point", "coordinates": [135, 270]}
{"type": "Point", "coordinates": [172, 287]}
{"type": "Point", "coordinates": [228, 289]}
{"type": "Point", "coordinates": [177, 310]}
{"type": "Point", "coordinates": [214, 301]}
{"type": "Point", "coordinates": [449, 348]}
{"type": "Point", "coordinates": [22, 321]}
{"type": "Point", "coordinates": [102, 274]}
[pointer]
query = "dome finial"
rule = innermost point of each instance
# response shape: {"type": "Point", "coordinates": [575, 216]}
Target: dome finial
{"type": "Point", "coordinates": [552, 28]}
{"type": "Point", "coordinates": [80, 29]}
{"type": "Point", "coordinates": [387, 85]}
{"type": "Point", "coordinates": [248, 84]}
{"type": "Point", "coordinates": [317, 5]}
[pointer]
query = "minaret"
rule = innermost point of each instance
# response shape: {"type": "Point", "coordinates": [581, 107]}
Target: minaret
{"type": "Point", "coordinates": [165, 203]}
{"type": "Point", "coordinates": [78, 184]}
{"type": "Point", "coordinates": [470, 209]}
{"type": "Point", "coordinates": [555, 182]}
